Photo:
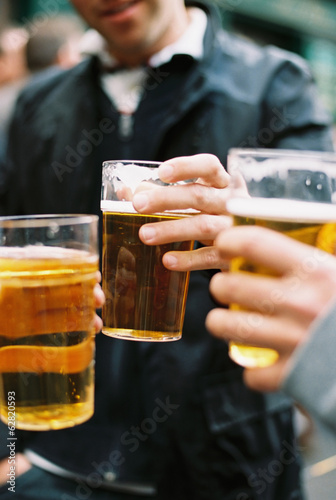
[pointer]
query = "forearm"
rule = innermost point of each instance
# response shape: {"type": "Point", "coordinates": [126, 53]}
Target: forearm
{"type": "Point", "coordinates": [311, 379]}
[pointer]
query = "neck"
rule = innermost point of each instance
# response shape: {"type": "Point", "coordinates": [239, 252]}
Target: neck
{"type": "Point", "coordinates": [176, 27]}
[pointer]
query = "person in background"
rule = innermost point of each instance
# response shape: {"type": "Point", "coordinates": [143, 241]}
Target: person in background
{"type": "Point", "coordinates": [12, 57]}
{"type": "Point", "coordinates": [27, 51]}
{"type": "Point", "coordinates": [24, 52]}
{"type": "Point", "coordinates": [55, 43]}
{"type": "Point", "coordinates": [164, 80]}
{"type": "Point", "coordinates": [13, 75]}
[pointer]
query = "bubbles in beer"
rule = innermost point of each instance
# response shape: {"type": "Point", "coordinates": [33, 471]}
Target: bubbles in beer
{"type": "Point", "coordinates": [311, 223]}
{"type": "Point", "coordinates": [46, 340]}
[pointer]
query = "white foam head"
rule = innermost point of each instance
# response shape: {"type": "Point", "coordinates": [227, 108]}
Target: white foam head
{"type": "Point", "coordinates": [282, 209]}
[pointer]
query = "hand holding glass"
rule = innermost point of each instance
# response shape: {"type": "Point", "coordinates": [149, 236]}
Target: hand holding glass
{"type": "Point", "coordinates": [293, 192]}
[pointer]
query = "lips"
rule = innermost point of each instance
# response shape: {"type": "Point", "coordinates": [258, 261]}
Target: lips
{"type": "Point", "coordinates": [121, 7]}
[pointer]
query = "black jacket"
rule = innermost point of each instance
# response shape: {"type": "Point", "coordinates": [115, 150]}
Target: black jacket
{"type": "Point", "coordinates": [178, 415]}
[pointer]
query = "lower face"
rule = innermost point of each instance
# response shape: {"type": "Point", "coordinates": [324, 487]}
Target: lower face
{"type": "Point", "coordinates": [134, 28]}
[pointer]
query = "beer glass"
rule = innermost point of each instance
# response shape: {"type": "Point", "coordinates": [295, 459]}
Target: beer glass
{"type": "Point", "coordinates": [293, 192]}
{"type": "Point", "coordinates": [48, 267]}
{"type": "Point", "coordinates": [144, 300]}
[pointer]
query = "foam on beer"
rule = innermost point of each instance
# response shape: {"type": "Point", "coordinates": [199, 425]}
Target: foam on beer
{"type": "Point", "coordinates": [132, 175]}
{"type": "Point", "coordinates": [126, 207]}
{"type": "Point", "coordinates": [38, 260]}
{"type": "Point", "coordinates": [40, 252]}
{"type": "Point", "coordinates": [282, 209]}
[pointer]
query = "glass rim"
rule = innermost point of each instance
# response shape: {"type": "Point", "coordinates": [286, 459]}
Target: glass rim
{"type": "Point", "coordinates": [44, 220]}
{"type": "Point", "coordinates": [148, 163]}
{"type": "Point", "coordinates": [261, 152]}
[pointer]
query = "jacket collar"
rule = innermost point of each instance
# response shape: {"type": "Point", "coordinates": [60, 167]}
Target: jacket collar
{"type": "Point", "coordinates": [214, 21]}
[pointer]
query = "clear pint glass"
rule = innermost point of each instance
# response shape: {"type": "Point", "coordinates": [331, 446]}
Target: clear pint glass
{"type": "Point", "coordinates": [48, 267]}
{"type": "Point", "coordinates": [144, 300]}
{"type": "Point", "coordinates": [293, 192]}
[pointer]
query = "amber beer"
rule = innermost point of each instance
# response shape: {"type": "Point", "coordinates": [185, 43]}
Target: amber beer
{"type": "Point", "coordinates": [47, 342]}
{"type": "Point", "coordinates": [308, 222]}
{"type": "Point", "coordinates": [144, 300]}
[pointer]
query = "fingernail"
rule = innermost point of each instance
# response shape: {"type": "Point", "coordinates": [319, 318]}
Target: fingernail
{"type": "Point", "coordinates": [140, 201]}
{"type": "Point", "coordinates": [148, 233]}
{"type": "Point", "coordinates": [170, 261]}
{"type": "Point", "coordinates": [166, 171]}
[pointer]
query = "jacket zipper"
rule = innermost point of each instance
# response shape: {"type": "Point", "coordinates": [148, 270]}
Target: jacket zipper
{"type": "Point", "coordinates": [126, 125]}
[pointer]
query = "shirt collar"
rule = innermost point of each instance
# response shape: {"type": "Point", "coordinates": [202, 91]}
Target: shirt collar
{"type": "Point", "coordinates": [190, 43]}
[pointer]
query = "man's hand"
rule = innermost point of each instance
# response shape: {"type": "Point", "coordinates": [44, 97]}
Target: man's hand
{"type": "Point", "coordinates": [279, 310]}
{"type": "Point", "coordinates": [206, 194]}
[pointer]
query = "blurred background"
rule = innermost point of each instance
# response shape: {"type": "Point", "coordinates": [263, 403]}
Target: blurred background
{"type": "Point", "coordinates": [39, 34]}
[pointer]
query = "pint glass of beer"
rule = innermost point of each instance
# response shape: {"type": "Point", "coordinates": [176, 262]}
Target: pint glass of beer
{"type": "Point", "coordinates": [48, 267]}
{"type": "Point", "coordinates": [144, 300]}
{"type": "Point", "coordinates": [293, 192]}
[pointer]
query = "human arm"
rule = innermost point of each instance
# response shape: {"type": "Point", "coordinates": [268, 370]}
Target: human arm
{"type": "Point", "coordinates": [290, 312]}
{"type": "Point", "coordinates": [311, 375]}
